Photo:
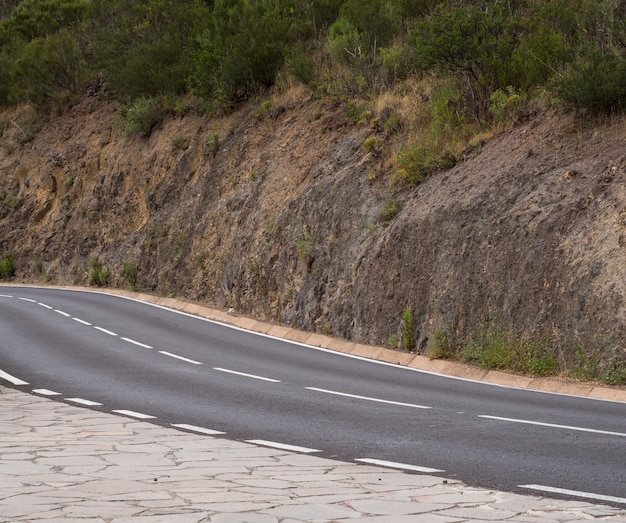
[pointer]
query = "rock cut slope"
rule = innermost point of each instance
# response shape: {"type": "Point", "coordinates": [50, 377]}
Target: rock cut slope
{"type": "Point", "coordinates": [277, 214]}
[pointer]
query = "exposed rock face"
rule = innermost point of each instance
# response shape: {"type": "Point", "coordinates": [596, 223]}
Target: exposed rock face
{"type": "Point", "coordinates": [282, 222]}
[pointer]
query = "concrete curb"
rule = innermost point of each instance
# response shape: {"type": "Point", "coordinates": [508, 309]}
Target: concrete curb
{"type": "Point", "coordinates": [415, 361]}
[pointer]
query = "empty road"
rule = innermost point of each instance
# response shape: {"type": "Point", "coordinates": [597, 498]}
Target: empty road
{"type": "Point", "coordinates": [144, 361]}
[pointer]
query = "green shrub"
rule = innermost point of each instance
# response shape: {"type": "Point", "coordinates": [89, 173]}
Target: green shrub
{"type": "Point", "coordinates": [389, 209]}
{"type": "Point", "coordinates": [212, 144]}
{"type": "Point", "coordinates": [595, 82]}
{"type": "Point", "coordinates": [130, 272]}
{"type": "Point", "coordinates": [181, 144]}
{"type": "Point", "coordinates": [585, 366]}
{"type": "Point", "coordinates": [7, 266]}
{"type": "Point", "coordinates": [493, 346]}
{"type": "Point", "coordinates": [141, 116]}
{"type": "Point", "coordinates": [99, 274]}
{"type": "Point", "coordinates": [408, 331]}
{"type": "Point", "coordinates": [615, 373]}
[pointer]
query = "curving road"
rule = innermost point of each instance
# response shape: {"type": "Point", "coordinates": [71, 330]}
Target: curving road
{"type": "Point", "coordinates": [144, 361]}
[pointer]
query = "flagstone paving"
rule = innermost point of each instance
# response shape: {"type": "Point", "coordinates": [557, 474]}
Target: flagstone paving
{"type": "Point", "coordinates": [59, 462]}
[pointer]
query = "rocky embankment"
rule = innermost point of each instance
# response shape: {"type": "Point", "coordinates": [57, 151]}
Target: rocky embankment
{"type": "Point", "coordinates": [277, 213]}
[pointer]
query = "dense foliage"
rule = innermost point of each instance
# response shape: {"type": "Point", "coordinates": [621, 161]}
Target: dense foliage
{"type": "Point", "coordinates": [224, 51]}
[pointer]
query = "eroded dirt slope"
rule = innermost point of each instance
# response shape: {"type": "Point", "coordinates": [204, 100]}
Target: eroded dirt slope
{"type": "Point", "coordinates": [282, 221]}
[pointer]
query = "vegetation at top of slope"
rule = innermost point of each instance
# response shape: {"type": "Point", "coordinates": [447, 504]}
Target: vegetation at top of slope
{"type": "Point", "coordinates": [227, 50]}
{"type": "Point", "coordinates": [429, 76]}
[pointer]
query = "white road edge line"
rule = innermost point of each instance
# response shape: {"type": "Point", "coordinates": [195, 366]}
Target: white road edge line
{"type": "Point", "coordinates": [12, 379]}
{"type": "Point", "coordinates": [201, 430]}
{"type": "Point", "coordinates": [254, 376]}
{"type": "Point", "coordinates": [194, 362]}
{"type": "Point", "coordinates": [394, 465]}
{"type": "Point", "coordinates": [586, 495]}
{"type": "Point", "coordinates": [134, 414]}
{"type": "Point", "coordinates": [106, 331]}
{"type": "Point", "coordinates": [134, 342]}
{"type": "Point", "coordinates": [44, 305]}
{"type": "Point", "coordinates": [46, 392]}
{"type": "Point", "coordinates": [368, 398]}
{"type": "Point", "coordinates": [82, 321]}
{"type": "Point", "coordinates": [81, 401]}
{"type": "Point", "coordinates": [552, 425]}
{"type": "Point", "coordinates": [281, 446]}
{"type": "Point", "coordinates": [62, 313]}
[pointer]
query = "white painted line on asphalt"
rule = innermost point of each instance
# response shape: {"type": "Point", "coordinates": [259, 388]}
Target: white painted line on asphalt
{"type": "Point", "coordinates": [253, 376]}
{"type": "Point", "coordinates": [201, 430]}
{"type": "Point", "coordinates": [334, 392]}
{"type": "Point", "coordinates": [5, 296]}
{"type": "Point", "coordinates": [106, 331]}
{"type": "Point", "coordinates": [62, 313]}
{"type": "Point", "coordinates": [134, 414]}
{"type": "Point", "coordinates": [394, 465]}
{"type": "Point", "coordinates": [12, 379]}
{"type": "Point", "coordinates": [81, 401]}
{"type": "Point", "coordinates": [567, 492]}
{"type": "Point", "coordinates": [194, 362]}
{"type": "Point", "coordinates": [281, 446]}
{"type": "Point", "coordinates": [134, 342]}
{"type": "Point", "coordinates": [28, 300]}
{"type": "Point", "coordinates": [45, 306]}
{"type": "Point", "coordinates": [82, 321]}
{"type": "Point", "coordinates": [552, 425]}
{"type": "Point", "coordinates": [46, 392]}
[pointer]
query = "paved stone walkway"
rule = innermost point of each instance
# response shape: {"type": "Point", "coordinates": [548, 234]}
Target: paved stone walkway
{"type": "Point", "coordinates": [64, 463]}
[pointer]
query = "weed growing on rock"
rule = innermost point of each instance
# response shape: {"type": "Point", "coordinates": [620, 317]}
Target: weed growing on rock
{"type": "Point", "coordinates": [408, 334]}
{"type": "Point", "coordinates": [7, 266]}
{"type": "Point", "coordinates": [99, 274]}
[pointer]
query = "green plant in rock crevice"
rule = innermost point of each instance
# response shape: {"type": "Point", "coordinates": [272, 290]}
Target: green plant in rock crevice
{"type": "Point", "coordinates": [7, 266]}
{"type": "Point", "coordinates": [99, 274]}
{"type": "Point", "coordinates": [408, 334]}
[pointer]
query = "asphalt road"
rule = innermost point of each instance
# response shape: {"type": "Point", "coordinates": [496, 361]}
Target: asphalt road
{"type": "Point", "coordinates": [116, 354]}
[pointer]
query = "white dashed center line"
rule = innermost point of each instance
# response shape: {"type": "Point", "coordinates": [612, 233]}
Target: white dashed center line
{"type": "Point", "coordinates": [62, 313]}
{"type": "Point", "coordinates": [129, 340]}
{"type": "Point", "coordinates": [45, 306]}
{"type": "Point", "coordinates": [179, 357]}
{"type": "Point", "coordinates": [82, 321]}
{"type": "Point", "coordinates": [366, 398]}
{"type": "Point", "coordinates": [245, 375]}
{"type": "Point", "coordinates": [105, 331]}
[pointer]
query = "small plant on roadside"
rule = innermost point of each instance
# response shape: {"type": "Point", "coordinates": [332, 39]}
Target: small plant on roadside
{"type": "Point", "coordinates": [212, 143]}
{"type": "Point", "coordinates": [99, 274]}
{"type": "Point", "coordinates": [7, 266]}
{"type": "Point", "coordinates": [444, 346]}
{"type": "Point", "coordinates": [130, 272]}
{"type": "Point", "coordinates": [393, 341]}
{"type": "Point", "coordinates": [585, 366]}
{"type": "Point", "coordinates": [408, 332]}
